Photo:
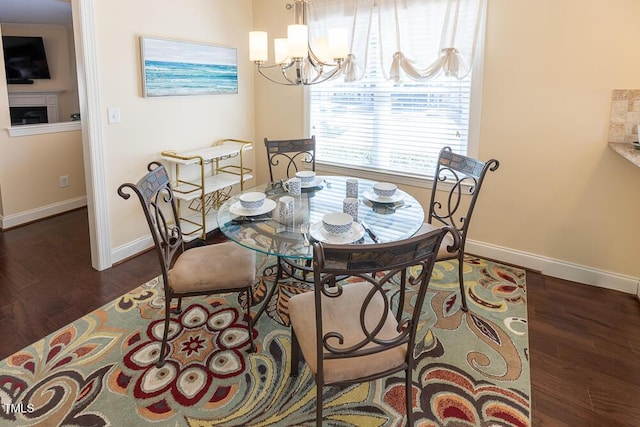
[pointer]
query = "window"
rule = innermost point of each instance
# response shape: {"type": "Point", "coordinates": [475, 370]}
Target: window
{"type": "Point", "coordinates": [379, 125]}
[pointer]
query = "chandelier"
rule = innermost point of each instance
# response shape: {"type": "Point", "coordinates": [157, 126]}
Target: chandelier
{"type": "Point", "coordinates": [298, 63]}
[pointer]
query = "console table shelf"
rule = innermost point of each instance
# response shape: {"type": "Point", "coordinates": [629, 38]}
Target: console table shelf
{"type": "Point", "coordinates": [203, 179]}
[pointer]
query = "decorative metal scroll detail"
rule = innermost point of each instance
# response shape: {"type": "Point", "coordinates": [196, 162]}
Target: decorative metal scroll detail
{"type": "Point", "coordinates": [158, 202]}
{"type": "Point", "coordinates": [376, 267]}
{"type": "Point", "coordinates": [292, 166]}
{"type": "Point", "coordinates": [465, 175]}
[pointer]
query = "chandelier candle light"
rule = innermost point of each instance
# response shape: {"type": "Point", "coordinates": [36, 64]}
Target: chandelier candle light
{"type": "Point", "coordinates": [298, 62]}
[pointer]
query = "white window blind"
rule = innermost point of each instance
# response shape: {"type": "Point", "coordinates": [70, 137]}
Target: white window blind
{"type": "Point", "coordinates": [379, 125]}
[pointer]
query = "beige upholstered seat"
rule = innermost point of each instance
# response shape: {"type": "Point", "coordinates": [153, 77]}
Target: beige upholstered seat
{"type": "Point", "coordinates": [209, 269]}
{"type": "Point", "coordinates": [461, 178]}
{"type": "Point", "coordinates": [225, 265]}
{"type": "Point", "coordinates": [339, 315]}
{"type": "Point", "coordinates": [349, 333]}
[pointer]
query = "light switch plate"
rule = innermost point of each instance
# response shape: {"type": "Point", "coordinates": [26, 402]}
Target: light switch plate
{"type": "Point", "coordinates": [113, 115]}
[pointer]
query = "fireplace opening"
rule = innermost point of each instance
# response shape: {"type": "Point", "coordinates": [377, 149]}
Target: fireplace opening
{"type": "Point", "coordinates": [28, 115]}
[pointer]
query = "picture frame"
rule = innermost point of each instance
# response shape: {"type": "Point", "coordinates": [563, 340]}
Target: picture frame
{"type": "Point", "coordinates": [179, 68]}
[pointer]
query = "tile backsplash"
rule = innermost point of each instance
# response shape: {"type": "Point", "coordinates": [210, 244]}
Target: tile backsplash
{"type": "Point", "coordinates": [625, 115]}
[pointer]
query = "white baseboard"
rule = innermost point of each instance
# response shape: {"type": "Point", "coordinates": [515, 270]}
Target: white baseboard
{"type": "Point", "coordinates": [556, 268]}
{"type": "Point", "coordinates": [14, 220]}
{"type": "Point", "coordinates": [131, 249]}
{"type": "Point", "coordinates": [547, 266]}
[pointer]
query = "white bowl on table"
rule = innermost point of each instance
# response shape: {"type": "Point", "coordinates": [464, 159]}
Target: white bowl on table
{"type": "Point", "coordinates": [384, 189]}
{"type": "Point", "coordinates": [252, 200]}
{"type": "Point", "coordinates": [337, 223]}
{"type": "Point", "coordinates": [306, 177]}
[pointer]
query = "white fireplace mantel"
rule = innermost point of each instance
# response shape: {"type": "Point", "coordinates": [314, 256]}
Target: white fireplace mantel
{"type": "Point", "coordinates": [28, 130]}
{"type": "Point", "coordinates": [37, 99]}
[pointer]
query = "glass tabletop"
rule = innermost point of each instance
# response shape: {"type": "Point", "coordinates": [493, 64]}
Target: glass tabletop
{"type": "Point", "coordinates": [266, 231]}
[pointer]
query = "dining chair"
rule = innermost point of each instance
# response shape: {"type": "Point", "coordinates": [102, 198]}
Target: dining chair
{"type": "Point", "coordinates": [456, 187]}
{"type": "Point", "coordinates": [346, 328]}
{"type": "Point", "coordinates": [293, 153]}
{"type": "Point", "coordinates": [201, 270]}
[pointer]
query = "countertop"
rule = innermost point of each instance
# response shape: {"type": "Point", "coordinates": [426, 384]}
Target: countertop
{"type": "Point", "coordinates": [627, 151]}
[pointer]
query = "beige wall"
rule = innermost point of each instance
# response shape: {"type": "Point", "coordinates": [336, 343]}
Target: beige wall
{"type": "Point", "coordinates": [279, 109]}
{"type": "Point", "coordinates": [31, 165]}
{"type": "Point", "coordinates": [561, 197]}
{"type": "Point", "coordinates": [550, 68]}
{"type": "Point", "coordinates": [149, 126]}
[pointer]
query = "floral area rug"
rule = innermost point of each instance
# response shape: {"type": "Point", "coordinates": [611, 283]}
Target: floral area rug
{"type": "Point", "coordinates": [472, 370]}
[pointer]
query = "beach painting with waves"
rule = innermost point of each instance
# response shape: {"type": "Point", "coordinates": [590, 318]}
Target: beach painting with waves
{"type": "Point", "coordinates": [175, 68]}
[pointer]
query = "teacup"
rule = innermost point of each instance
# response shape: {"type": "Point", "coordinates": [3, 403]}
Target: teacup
{"type": "Point", "coordinates": [384, 189]}
{"type": "Point", "coordinates": [337, 223]}
{"type": "Point", "coordinates": [306, 177]}
{"type": "Point", "coordinates": [252, 200]}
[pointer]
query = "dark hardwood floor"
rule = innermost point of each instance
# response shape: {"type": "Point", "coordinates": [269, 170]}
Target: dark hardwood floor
{"type": "Point", "coordinates": [46, 278]}
{"type": "Point", "coordinates": [584, 341]}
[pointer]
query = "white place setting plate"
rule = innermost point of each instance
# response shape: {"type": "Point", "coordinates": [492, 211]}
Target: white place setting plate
{"type": "Point", "coordinates": [356, 233]}
{"type": "Point", "coordinates": [378, 199]}
{"type": "Point", "coordinates": [237, 209]}
{"type": "Point", "coordinates": [317, 181]}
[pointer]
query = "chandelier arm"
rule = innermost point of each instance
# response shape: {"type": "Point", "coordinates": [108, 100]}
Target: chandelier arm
{"type": "Point", "coordinates": [289, 82]}
{"type": "Point", "coordinates": [262, 65]}
{"type": "Point", "coordinates": [315, 60]}
{"type": "Point", "coordinates": [323, 77]}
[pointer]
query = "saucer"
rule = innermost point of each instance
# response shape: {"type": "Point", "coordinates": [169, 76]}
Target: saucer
{"type": "Point", "coordinates": [356, 233]}
{"type": "Point", "coordinates": [375, 198]}
{"type": "Point", "coordinates": [237, 209]}
{"type": "Point", "coordinates": [317, 181]}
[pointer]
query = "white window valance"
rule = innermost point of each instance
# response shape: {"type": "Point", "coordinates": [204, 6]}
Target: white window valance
{"type": "Point", "coordinates": [419, 39]}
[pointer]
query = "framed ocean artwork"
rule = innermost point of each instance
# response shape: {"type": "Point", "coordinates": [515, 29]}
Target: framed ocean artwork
{"type": "Point", "coordinates": [175, 68]}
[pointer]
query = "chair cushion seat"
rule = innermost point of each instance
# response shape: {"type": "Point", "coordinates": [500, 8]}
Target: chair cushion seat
{"type": "Point", "coordinates": [341, 314]}
{"type": "Point", "coordinates": [220, 266]}
{"type": "Point", "coordinates": [443, 253]}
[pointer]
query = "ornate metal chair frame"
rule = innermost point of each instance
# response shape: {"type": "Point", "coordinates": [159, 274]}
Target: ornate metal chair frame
{"type": "Point", "coordinates": [375, 266]}
{"type": "Point", "coordinates": [292, 152]}
{"type": "Point", "coordinates": [161, 212]}
{"type": "Point", "coordinates": [464, 176]}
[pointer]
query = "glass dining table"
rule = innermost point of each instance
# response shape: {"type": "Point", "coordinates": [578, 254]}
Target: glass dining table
{"type": "Point", "coordinates": [262, 230]}
{"type": "Point", "coordinates": [379, 220]}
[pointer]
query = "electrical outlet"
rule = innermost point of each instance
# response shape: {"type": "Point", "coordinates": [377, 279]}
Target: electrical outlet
{"type": "Point", "coordinates": [64, 181]}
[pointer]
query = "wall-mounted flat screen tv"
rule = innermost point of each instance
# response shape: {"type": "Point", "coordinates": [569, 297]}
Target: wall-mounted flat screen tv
{"type": "Point", "coordinates": [24, 59]}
